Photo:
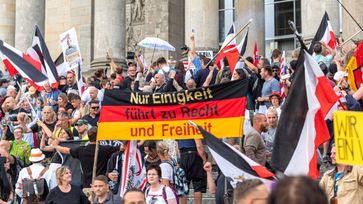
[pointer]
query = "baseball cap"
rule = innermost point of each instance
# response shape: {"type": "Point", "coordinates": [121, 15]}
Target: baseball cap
{"type": "Point", "coordinates": [81, 122]}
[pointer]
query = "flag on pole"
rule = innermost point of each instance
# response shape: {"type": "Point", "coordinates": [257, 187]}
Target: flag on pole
{"type": "Point", "coordinates": [133, 172]}
{"type": "Point", "coordinates": [233, 163]}
{"type": "Point", "coordinates": [234, 53]}
{"type": "Point", "coordinates": [283, 68]}
{"type": "Point", "coordinates": [80, 83]}
{"type": "Point", "coordinates": [301, 128]}
{"type": "Point", "coordinates": [39, 51]}
{"type": "Point", "coordinates": [354, 68]}
{"type": "Point", "coordinates": [255, 55]}
{"type": "Point", "coordinates": [19, 63]}
{"type": "Point", "coordinates": [242, 46]}
{"type": "Point", "coordinates": [61, 65]}
{"type": "Point", "coordinates": [226, 46]}
{"type": "Point", "coordinates": [324, 34]}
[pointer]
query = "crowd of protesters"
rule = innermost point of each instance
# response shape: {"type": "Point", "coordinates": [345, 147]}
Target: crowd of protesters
{"type": "Point", "coordinates": [35, 125]}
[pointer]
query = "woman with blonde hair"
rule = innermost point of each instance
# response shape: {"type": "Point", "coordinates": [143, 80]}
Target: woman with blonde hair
{"type": "Point", "coordinates": [166, 165]}
{"type": "Point", "coordinates": [65, 192]}
{"type": "Point", "coordinates": [168, 168]}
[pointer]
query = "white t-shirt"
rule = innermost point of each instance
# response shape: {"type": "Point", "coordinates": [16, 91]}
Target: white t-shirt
{"type": "Point", "coordinates": [167, 172]}
{"type": "Point", "coordinates": [157, 197]}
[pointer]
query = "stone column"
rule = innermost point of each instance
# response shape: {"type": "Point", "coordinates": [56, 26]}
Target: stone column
{"type": "Point", "coordinates": [245, 10]}
{"type": "Point", "coordinates": [109, 31]}
{"type": "Point", "coordinates": [202, 16]}
{"type": "Point", "coordinates": [312, 13]}
{"type": "Point", "coordinates": [28, 14]}
{"type": "Point", "coordinates": [7, 21]}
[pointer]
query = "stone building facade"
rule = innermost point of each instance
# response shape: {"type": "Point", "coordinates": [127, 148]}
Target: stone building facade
{"type": "Point", "coordinates": [117, 25]}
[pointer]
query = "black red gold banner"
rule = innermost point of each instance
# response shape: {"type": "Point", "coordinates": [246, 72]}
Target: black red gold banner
{"type": "Point", "coordinates": [219, 109]}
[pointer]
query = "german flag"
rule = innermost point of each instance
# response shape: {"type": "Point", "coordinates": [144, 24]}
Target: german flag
{"type": "Point", "coordinates": [127, 115]}
{"type": "Point", "coordinates": [354, 68]}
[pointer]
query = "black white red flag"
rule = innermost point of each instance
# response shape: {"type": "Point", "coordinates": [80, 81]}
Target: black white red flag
{"type": "Point", "coordinates": [80, 84]}
{"type": "Point", "coordinates": [233, 163]}
{"type": "Point", "coordinates": [324, 34]}
{"type": "Point", "coordinates": [61, 65]}
{"type": "Point", "coordinates": [39, 51]}
{"type": "Point", "coordinates": [255, 54]}
{"type": "Point", "coordinates": [227, 45]}
{"type": "Point", "coordinates": [301, 128]}
{"type": "Point", "coordinates": [234, 53]}
{"type": "Point", "coordinates": [19, 63]}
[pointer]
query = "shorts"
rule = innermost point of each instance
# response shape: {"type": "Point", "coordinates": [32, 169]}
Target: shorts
{"type": "Point", "coordinates": [199, 185]}
{"type": "Point", "coordinates": [192, 164]}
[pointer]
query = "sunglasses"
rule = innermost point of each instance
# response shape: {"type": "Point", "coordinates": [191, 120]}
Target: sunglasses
{"type": "Point", "coordinates": [95, 107]}
{"type": "Point", "coordinates": [78, 124]}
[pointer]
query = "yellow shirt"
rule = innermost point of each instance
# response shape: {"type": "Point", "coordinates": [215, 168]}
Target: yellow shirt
{"type": "Point", "coordinates": [18, 150]}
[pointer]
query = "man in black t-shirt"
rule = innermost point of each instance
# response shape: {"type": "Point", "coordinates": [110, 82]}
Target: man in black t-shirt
{"type": "Point", "coordinates": [10, 115]}
{"type": "Point", "coordinates": [86, 156]}
{"type": "Point", "coordinates": [94, 113]}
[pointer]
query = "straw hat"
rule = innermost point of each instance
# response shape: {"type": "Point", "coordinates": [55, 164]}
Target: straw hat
{"type": "Point", "coordinates": [36, 155]}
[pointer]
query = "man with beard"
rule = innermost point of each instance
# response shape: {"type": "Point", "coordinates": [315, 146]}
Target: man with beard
{"type": "Point", "coordinates": [253, 145]}
{"type": "Point", "coordinates": [10, 111]}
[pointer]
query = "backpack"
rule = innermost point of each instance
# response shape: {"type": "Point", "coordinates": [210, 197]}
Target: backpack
{"type": "Point", "coordinates": [180, 183]}
{"type": "Point", "coordinates": [35, 190]}
{"type": "Point", "coordinates": [164, 194]}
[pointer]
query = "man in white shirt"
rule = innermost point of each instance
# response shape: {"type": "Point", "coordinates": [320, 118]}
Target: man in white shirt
{"type": "Point", "coordinates": [37, 170]}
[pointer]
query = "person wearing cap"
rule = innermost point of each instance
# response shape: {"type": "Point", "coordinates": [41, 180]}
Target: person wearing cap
{"type": "Point", "coordinates": [4, 83]}
{"type": "Point", "coordinates": [36, 156]}
{"type": "Point", "coordinates": [62, 82]}
{"type": "Point", "coordinates": [276, 100]}
{"type": "Point", "coordinates": [82, 129]}
{"type": "Point", "coordinates": [20, 148]}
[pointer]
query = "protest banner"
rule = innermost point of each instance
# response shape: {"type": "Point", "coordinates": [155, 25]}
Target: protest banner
{"type": "Point", "coordinates": [70, 49]}
{"type": "Point", "coordinates": [128, 115]}
{"type": "Point", "coordinates": [348, 135]}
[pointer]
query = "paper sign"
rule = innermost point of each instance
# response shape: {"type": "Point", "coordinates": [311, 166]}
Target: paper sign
{"type": "Point", "coordinates": [348, 133]}
{"type": "Point", "coordinates": [70, 48]}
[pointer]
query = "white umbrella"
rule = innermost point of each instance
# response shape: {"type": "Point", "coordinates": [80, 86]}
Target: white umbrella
{"type": "Point", "coordinates": [155, 43]}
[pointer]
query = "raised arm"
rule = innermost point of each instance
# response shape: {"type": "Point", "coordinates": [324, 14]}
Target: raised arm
{"type": "Point", "coordinates": [210, 76]}
{"type": "Point", "coordinates": [193, 51]}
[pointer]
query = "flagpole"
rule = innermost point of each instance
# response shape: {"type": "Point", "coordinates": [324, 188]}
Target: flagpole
{"type": "Point", "coordinates": [192, 124]}
{"type": "Point", "coordinates": [351, 37]}
{"type": "Point", "coordinates": [95, 161]}
{"type": "Point", "coordinates": [234, 37]}
{"type": "Point", "coordinates": [350, 15]}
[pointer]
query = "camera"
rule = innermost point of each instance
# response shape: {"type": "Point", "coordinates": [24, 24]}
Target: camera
{"type": "Point", "coordinates": [3, 123]}
{"type": "Point", "coordinates": [130, 55]}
